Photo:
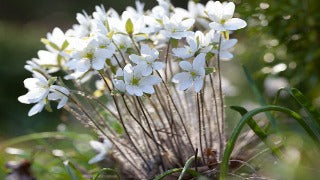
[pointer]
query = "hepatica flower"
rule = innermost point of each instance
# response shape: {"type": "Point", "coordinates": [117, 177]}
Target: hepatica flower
{"type": "Point", "coordinates": [135, 83]}
{"type": "Point", "coordinates": [40, 91]}
{"type": "Point", "coordinates": [176, 27]}
{"type": "Point", "coordinates": [193, 74]}
{"type": "Point", "coordinates": [147, 60]}
{"type": "Point", "coordinates": [101, 148]}
{"type": "Point", "coordinates": [221, 14]}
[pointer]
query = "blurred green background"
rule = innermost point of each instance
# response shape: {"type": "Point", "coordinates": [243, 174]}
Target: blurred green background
{"type": "Point", "coordinates": [281, 40]}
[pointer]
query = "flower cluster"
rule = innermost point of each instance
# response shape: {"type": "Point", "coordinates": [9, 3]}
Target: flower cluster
{"type": "Point", "coordinates": [133, 55]}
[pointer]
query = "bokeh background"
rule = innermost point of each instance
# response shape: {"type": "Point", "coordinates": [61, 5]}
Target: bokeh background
{"type": "Point", "coordinates": [280, 47]}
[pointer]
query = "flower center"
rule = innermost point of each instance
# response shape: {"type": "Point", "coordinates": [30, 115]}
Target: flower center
{"type": "Point", "coordinates": [89, 55]}
{"type": "Point", "coordinates": [193, 74]}
{"type": "Point", "coordinates": [102, 46]}
{"type": "Point", "coordinates": [223, 21]}
{"type": "Point", "coordinates": [135, 81]}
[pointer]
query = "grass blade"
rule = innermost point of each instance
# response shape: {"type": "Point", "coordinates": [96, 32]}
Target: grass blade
{"type": "Point", "coordinates": [235, 133]}
{"type": "Point", "coordinates": [258, 131]}
{"type": "Point", "coordinates": [107, 171]}
{"type": "Point", "coordinates": [259, 96]}
{"type": "Point", "coordinates": [311, 111]}
{"type": "Point", "coordinates": [73, 172]}
{"type": "Point", "coordinates": [186, 166]}
{"type": "Point", "coordinates": [175, 170]}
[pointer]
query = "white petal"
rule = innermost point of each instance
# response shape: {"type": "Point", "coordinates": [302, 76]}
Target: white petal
{"type": "Point", "coordinates": [158, 65]}
{"type": "Point", "coordinates": [185, 85]}
{"type": "Point", "coordinates": [226, 55]}
{"type": "Point", "coordinates": [228, 10]}
{"type": "Point", "coordinates": [185, 65]}
{"type": "Point", "coordinates": [62, 102]}
{"type": "Point", "coordinates": [97, 158]}
{"type": "Point", "coordinates": [198, 83]}
{"type": "Point", "coordinates": [83, 65]}
{"type": "Point", "coordinates": [98, 63]}
{"type": "Point", "coordinates": [135, 58]}
{"type": "Point", "coordinates": [36, 109]}
{"type": "Point", "coordinates": [234, 24]}
{"type": "Point", "coordinates": [217, 26]}
{"type": "Point", "coordinates": [150, 80]}
{"type": "Point", "coordinates": [137, 91]}
{"type": "Point", "coordinates": [97, 146]}
{"type": "Point", "coordinates": [227, 44]}
{"type": "Point", "coordinates": [147, 71]}
{"type": "Point", "coordinates": [147, 89]}
{"type": "Point", "coordinates": [145, 49]}
{"type": "Point", "coordinates": [61, 89]}
{"type": "Point", "coordinates": [187, 23]}
{"type": "Point", "coordinates": [130, 89]}
{"type": "Point", "coordinates": [199, 61]}
{"type": "Point", "coordinates": [181, 77]}
{"type": "Point", "coordinates": [181, 53]}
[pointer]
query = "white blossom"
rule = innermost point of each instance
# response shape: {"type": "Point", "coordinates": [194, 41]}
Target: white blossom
{"type": "Point", "coordinates": [136, 84]}
{"type": "Point", "coordinates": [147, 59]}
{"type": "Point", "coordinates": [41, 90]}
{"type": "Point", "coordinates": [101, 148]}
{"type": "Point", "coordinates": [221, 15]}
{"type": "Point", "coordinates": [193, 74]}
{"type": "Point", "coordinates": [176, 27]}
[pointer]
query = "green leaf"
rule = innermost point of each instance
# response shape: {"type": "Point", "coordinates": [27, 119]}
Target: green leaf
{"type": "Point", "coordinates": [174, 42]}
{"type": "Point", "coordinates": [48, 106]}
{"type": "Point", "coordinates": [47, 42]}
{"type": "Point", "coordinates": [311, 111]}
{"type": "Point", "coordinates": [209, 70]}
{"type": "Point", "coordinates": [129, 27]}
{"type": "Point", "coordinates": [73, 172]}
{"type": "Point", "coordinates": [258, 95]}
{"type": "Point", "coordinates": [142, 34]}
{"type": "Point", "coordinates": [115, 125]}
{"type": "Point", "coordinates": [175, 170]}
{"type": "Point", "coordinates": [160, 21]}
{"type": "Point", "coordinates": [65, 45]}
{"type": "Point", "coordinates": [236, 132]}
{"type": "Point", "coordinates": [258, 131]}
{"type": "Point", "coordinates": [131, 51]}
{"type": "Point", "coordinates": [186, 166]}
{"type": "Point", "coordinates": [209, 56]}
{"type": "Point", "coordinates": [107, 171]}
{"type": "Point", "coordinates": [52, 80]}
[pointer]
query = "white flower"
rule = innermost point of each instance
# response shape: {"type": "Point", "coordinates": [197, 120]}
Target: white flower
{"type": "Point", "coordinates": [176, 27]}
{"type": "Point", "coordinates": [147, 60]}
{"type": "Point", "coordinates": [83, 29]}
{"type": "Point", "coordinates": [187, 51]}
{"type": "Point", "coordinates": [137, 84]}
{"type": "Point", "coordinates": [93, 55]}
{"type": "Point", "coordinates": [197, 43]}
{"type": "Point", "coordinates": [194, 74]}
{"type": "Point", "coordinates": [48, 61]}
{"type": "Point", "coordinates": [60, 94]}
{"type": "Point", "coordinates": [123, 42]}
{"type": "Point", "coordinates": [41, 90]}
{"type": "Point", "coordinates": [221, 15]}
{"type": "Point", "coordinates": [101, 148]}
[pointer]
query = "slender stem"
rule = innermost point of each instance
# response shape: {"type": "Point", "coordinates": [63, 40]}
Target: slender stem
{"type": "Point", "coordinates": [199, 125]}
{"type": "Point", "coordinates": [134, 43]}
{"type": "Point", "coordinates": [220, 92]}
{"type": "Point", "coordinates": [175, 106]}
{"type": "Point", "coordinates": [122, 122]}
{"type": "Point", "coordinates": [166, 61]}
